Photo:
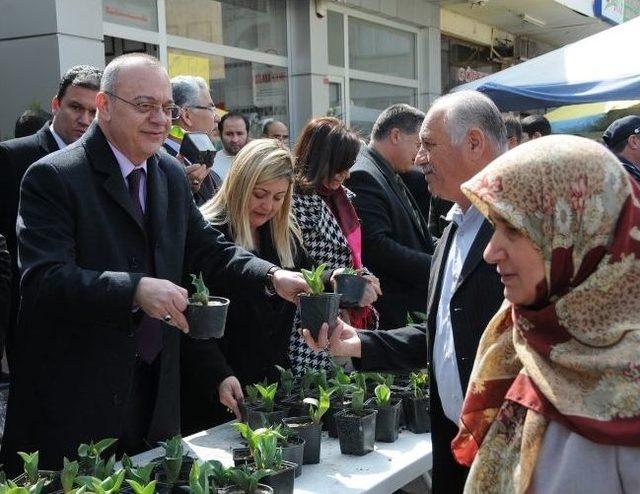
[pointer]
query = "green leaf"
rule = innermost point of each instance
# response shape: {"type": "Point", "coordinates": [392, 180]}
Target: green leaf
{"type": "Point", "coordinates": [30, 464]}
{"type": "Point", "coordinates": [383, 394]}
{"type": "Point", "coordinates": [201, 295]}
{"type": "Point", "coordinates": [357, 400]}
{"type": "Point", "coordinates": [68, 474]}
{"type": "Point", "coordinates": [314, 278]}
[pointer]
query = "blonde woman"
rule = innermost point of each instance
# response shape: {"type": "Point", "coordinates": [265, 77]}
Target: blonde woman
{"type": "Point", "coordinates": [253, 209]}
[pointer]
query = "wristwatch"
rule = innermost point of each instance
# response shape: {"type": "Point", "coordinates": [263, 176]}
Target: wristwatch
{"type": "Point", "coordinates": [269, 286]}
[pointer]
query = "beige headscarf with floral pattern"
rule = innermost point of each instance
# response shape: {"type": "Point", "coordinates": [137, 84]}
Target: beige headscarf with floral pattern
{"type": "Point", "coordinates": [574, 356]}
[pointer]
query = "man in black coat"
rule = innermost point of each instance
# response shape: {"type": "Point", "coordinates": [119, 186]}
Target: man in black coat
{"type": "Point", "coordinates": [73, 109]}
{"type": "Point", "coordinates": [460, 135]}
{"type": "Point", "coordinates": [396, 244]}
{"type": "Point", "coordinates": [104, 229]}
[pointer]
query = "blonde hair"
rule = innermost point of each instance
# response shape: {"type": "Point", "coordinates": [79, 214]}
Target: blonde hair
{"type": "Point", "coordinates": [261, 160]}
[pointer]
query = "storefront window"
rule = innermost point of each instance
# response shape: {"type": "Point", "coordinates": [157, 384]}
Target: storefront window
{"type": "Point", "coordinates": [142, 14]}
{"type": "Point", "coordinates": [259, 25]}
{"type": "Point", "coordinates": [335, 35]}
{"type": "Point", "coordinates": [464, 62]}
{"type": "Point", "coordinates": [380, 49]}
{"type": "Point", "coordinates": [368, 99]}
{"type": "Point", "coordinates": [259, 91]}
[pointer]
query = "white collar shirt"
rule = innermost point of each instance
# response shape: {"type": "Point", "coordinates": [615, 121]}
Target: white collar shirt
{"type": "Point", "coordinates": [445, 365]}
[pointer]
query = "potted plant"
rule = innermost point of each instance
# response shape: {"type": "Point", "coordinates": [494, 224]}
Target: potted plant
{"type": "Point", "coordinates": [173, 469]}
{"type": "Point", "coordinates": [350, 284]}
{"type": "Point", "coordinates": [138, 488]}
{"type": "Point", "coordinates": [267, 413]}
{"type": "Point", "coordinates": [267, 455]}
{"type": "Point", "coordinates": [251, 400]}
{"type": "Point", "coordinates": [318, 307]}
{"type": "Point", "coordinates": [245, 481]}
{"type": "Point", "coordinates": [206, 315]}
{"type": "Point", "coordinates": [388, 417]}
{"type": "Point", "coordinates": [309, 427]}
{"type": "Point", "coordinates": [68, 474]}
{"type": "Point", "coordinates": [341, 385]}
{"type": "Point", "coordinates": [219, 474]}
{"type": "Point", "coordinates": [109, 485]}
{"type": "Point", "coordinates": [141, 474]}
{"type": "Point", "coordinates": [293, 447]}
{"type": "Point", "coordinates": [356, 427]}
{"type": "Point", "coordinates": [90, 458]}
{"type": "Point", "coordinates": [416, 404]}
{"type": "Point", "coordinates": [32, 475]}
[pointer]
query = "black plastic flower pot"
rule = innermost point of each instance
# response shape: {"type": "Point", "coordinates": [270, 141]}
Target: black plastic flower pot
{"type": "Point", "coordinates": [50, 477]}
{"type": "Point", "coordinates": [293, 451]}
{"type": "Point", "coordinates": [416, 412]}
{"type": "Point", "coordinates": [312, 435]}
{"type": "Point", "coordinates": [351, 288]}
{"type": "Point", "coordinates": [316, 309]}
{"type": "Point", "coordinates": [329, 420]}
{"type": "Point", "coordinates": [387, 420]}
{"type": "Point", "coordinates": [356, 431]}
{"type": "Point", "coordinates": [244, 407]}
{"type": "Point", "coordinates": [241, 456]}
{"type": "Point", "coordinates": [282, 480]}
{"type": "Point", "coordinates": [259, 417]}
{"type": "Point", "coordinates": [234, 489]}
{"type": "Point", "coordinates": [207, 321]}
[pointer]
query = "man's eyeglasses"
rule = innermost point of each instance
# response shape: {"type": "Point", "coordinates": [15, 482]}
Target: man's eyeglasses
{"type": "Point", "coordinates": [211, 108]}
{"type": "Point", "coordinates": [171, 111]}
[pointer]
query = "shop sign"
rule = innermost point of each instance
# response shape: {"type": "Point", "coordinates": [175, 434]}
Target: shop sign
{"type": "Point", "coordinates": [469, 74]}
{"type": "Point", "coordinates": [180, 64]}
{"type": "Point", "coordinates": [136, 13]}
{"type": "Point", "coordinates": [269, 86]}
{"type": "Point", "coordinates": [616, 11]}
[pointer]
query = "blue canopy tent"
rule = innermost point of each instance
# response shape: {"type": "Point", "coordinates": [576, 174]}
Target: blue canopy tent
{"type": "Point", "coordinates": [602, 67]}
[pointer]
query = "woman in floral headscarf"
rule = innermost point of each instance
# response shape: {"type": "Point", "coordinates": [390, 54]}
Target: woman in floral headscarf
{"type": "Point", "coordinates": [553, 404]}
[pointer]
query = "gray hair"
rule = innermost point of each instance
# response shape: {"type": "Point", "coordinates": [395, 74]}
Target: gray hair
{"type": "Point", "coordinates": [465, 110]}
{"type": "Point", "coordinates": [400, 116]}
{"type": "Point", "coordinates": [186, 89]}
{"type": "Point", "coordinates": [110, 76]}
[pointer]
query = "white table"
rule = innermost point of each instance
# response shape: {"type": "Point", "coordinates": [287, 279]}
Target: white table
{"type": "Point", "coordinates": [382, 471]}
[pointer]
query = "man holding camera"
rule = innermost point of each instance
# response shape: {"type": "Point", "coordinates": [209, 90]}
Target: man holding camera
{"type": "Point", "coordinates": [197, 114]}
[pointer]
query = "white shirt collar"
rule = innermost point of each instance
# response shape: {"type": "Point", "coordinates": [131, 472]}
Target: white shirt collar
{"type": "Point", "coordinates": [460, 217]}
{"type": "Point", "coordinates": [61, 144]}
{"type": "Point", "coordinates": [126, 166]}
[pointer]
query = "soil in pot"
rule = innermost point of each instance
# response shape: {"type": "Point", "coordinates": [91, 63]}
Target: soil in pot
{"type": "Point", "coordinates": [293, 451]}
{"type": "Point", "coordinates": [282, 480]}
{"type": "Point", "coordinates": [316, 309]}
{"type": "Point", "coordinates": [241, 456]}
{"type": "Point", "coordinates": [356, 431]}
{"type": "Point", "coordinates": [312, 435]}
{"type": "Point", "coordinates": [233, 489]}
{"type": "Point", "coordinates": [207, 321]}
{"type": "Point", "coordinates": [51, 481]}
{"type": "Point", "coordinates": [416, 413]}
{"type": "Point", "coordinates": [351, 288]}
{"type": "Point", "coordinates": [259, 417]}
{"type": "Point", "coordinates": [387, 420]}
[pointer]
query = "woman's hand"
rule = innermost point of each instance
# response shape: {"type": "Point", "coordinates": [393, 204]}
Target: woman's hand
{"type": "Point", "coordinates": [372, 291]}
{"type": "Point", "coordinates": [230, 393]}
{"type": "Point", "coordinates": [344, 341]}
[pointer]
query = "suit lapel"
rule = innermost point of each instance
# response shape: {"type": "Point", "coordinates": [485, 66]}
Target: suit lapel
{"type": "Point", "coordinates": [437, 266]}
{"type": "Point", "coordinates": [102, 159]}
{"type": "Point", "coordinates": [474, 257]}
{"type": "Point", "coordinates": [46, 139]}
{"type": "Point", "coordinates": [157, 197]}
{"type": "Point", "coordinates": [389, 175]}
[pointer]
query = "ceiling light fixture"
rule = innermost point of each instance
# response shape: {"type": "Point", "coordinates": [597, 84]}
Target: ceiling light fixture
{"type": "Point", "coordinates": [532, 20]}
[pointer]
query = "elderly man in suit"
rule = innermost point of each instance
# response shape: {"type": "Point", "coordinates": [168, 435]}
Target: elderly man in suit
{"type": "Point", "coordinates": [73, 108]}
{"type": "Point", "coordinates": [460, 135]}
{"type": "Point", "coordinates": [396, 244]}
{"type": "Point", "coordinates": [104, 229]}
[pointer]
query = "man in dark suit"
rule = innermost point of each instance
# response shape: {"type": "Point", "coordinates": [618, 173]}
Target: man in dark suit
{"type": "Point", "coordinates": [104, 229]}
{"type": "Point", "coordinates": [73, 109]}
{"type": "Point", "coordinates": [396, 244]}
{"type": "Point", "coordinates": [460, 135]}
{"type": "Point", "coordinates": [198, 114]}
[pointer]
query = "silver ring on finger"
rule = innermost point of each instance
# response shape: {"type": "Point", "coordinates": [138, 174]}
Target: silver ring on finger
{"type": "Point", "coordinates": [167, 318]}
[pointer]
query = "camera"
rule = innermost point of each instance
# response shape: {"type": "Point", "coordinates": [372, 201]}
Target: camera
{"type": "Point", "coordinates": [196, 147]}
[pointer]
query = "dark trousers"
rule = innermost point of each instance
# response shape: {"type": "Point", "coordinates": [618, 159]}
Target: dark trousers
{"type": "Point", "coordinates": [448, 477]}
{"type": "Point", "coordinates": [139, 408]}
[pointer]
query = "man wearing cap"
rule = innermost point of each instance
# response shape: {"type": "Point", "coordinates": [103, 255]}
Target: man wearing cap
{"type": "Point", "coordinates": [622, 137]}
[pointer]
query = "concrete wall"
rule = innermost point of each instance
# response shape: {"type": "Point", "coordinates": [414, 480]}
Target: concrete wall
{"type": "Point", "coordinates": [39, 41]}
